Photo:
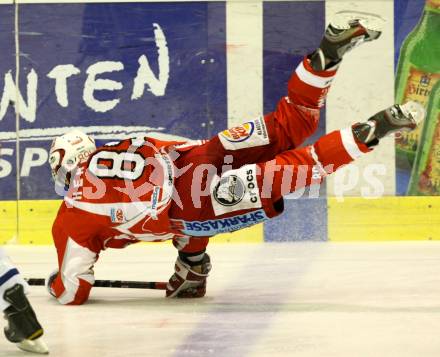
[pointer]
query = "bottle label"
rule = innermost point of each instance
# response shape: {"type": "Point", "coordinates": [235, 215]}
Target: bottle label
{"type": "Point", "coordinates": [429, 181]}
{"type": "Point", "coordinates": [418, 88]}
{"type": "Point", "coordinates": [435, 4]}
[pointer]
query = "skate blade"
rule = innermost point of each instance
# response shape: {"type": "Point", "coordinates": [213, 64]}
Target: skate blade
{"type": "Point", "coordinates": [35, 346]}
{"type": "Point", "coordinates": [415, 110]}
{"type": "Point", "coordinates": [368, 20]}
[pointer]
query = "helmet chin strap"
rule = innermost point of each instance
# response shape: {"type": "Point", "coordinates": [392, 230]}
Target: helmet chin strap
{"type": "Point", "coordinates": [63, 177]}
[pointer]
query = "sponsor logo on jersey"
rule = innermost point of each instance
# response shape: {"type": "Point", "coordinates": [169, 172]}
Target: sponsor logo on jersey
{"type": "Point", "coordinates": [117, 215]}
{"type": "Point", "coordinates": [154, 201]}
{"type": "Point", "coordinates": [215, 226]}
{"type": "Point", "coordinates": [229, 191]}
{"type": "Point", "coordinates": [236, 190]}
{"type": "Point", "coordinates": [84, 155]}
{"type": "Point", "coordinates": [239, 133]}
{"type": "Point", "coordinates": [250, 134]}
{"type": "Point", "coordinates": [155, 197]}
{"type": "Point", "coordinates": [260, 127]}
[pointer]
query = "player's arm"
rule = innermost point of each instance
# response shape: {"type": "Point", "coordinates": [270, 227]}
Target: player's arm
{"type": "Point", "coordinates": [71, 283]}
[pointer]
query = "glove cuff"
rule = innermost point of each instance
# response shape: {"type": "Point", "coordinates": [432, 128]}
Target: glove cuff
{"type": "Point", "coordinates": [49, 281]}
{"type": "Point", "coordinates": [188, 273]}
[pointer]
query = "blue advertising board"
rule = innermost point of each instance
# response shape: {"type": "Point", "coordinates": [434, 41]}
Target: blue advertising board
{"type": "Point", "coordinates": [112, 70]}
{"type": "Point", "coordinates": [291, 30]}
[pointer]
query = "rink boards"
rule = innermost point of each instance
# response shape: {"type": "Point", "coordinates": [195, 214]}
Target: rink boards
{"type": "Point", "coordinates": [354, 219]}
{"type": "Point", "coordinates": [221, 64]}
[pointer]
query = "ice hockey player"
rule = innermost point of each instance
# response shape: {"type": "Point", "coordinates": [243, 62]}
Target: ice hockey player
{"type": "Point", "coordinates": [143, 189]}
{"type": "Point", "coordinates": [22, 328]}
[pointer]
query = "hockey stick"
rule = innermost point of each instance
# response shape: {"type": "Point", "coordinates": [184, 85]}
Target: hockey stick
{"type": "Point", "coordinates": [158, 285]}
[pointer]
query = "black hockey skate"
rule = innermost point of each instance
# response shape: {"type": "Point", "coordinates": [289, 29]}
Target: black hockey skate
{"type": "Point", "coordinates": [396, 118]}
{"type": "Point", "coordinates": [23, 327]}
{"type": "Point", "coordinates": [348, 30]}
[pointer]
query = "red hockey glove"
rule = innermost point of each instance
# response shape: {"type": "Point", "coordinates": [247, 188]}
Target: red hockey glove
{"type": "Point", "coordinates": [49, 281]}
{"type": "Point", "coordinates": [189, 281]}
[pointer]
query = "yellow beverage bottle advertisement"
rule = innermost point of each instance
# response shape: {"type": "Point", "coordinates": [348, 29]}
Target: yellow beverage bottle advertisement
{"type": "Point", "coordinates": [417, 72]}
{"type": "Point", "coordinates": [425, 177]}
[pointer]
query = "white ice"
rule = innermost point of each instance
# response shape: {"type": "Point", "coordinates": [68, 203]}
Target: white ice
{"type": "Point", "coordinates": [289, 299]}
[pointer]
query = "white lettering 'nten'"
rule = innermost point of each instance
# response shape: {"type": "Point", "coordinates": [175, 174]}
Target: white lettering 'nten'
{"type": "Point", "coordinates": [145, 80]}
{"type": "Point", "coordinates": [145, 75]}
{"type": "Point", "coordinates": [60, 73]}
{"type": "Point", "coordinates": [93, 83]}
{"type": "Point", "coordinates": [11, 94]}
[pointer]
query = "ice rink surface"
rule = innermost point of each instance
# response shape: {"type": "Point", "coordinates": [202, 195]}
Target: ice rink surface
{"type": "Point", "coordinates": [279, 299]}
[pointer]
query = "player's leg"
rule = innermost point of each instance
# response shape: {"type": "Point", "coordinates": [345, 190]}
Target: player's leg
{"type": "Point", "coordinates": [296, 115]}
{"type": "Point", "coordinates": [253, 193]}
{"type": "Point", "coordinates": [295, 169]}
{"type": "Point", "coordinates": [347, 30]}
{"type": "Point", "coordinates": [283, 175]}
{"type": "Point", "coordinates": [295, 118]}
{"type": "Point", "coordinates": [23, 327]}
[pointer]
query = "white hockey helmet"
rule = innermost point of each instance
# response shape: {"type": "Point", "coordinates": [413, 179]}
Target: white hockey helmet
{"type": "Point", "coordinates": [70, 150]}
